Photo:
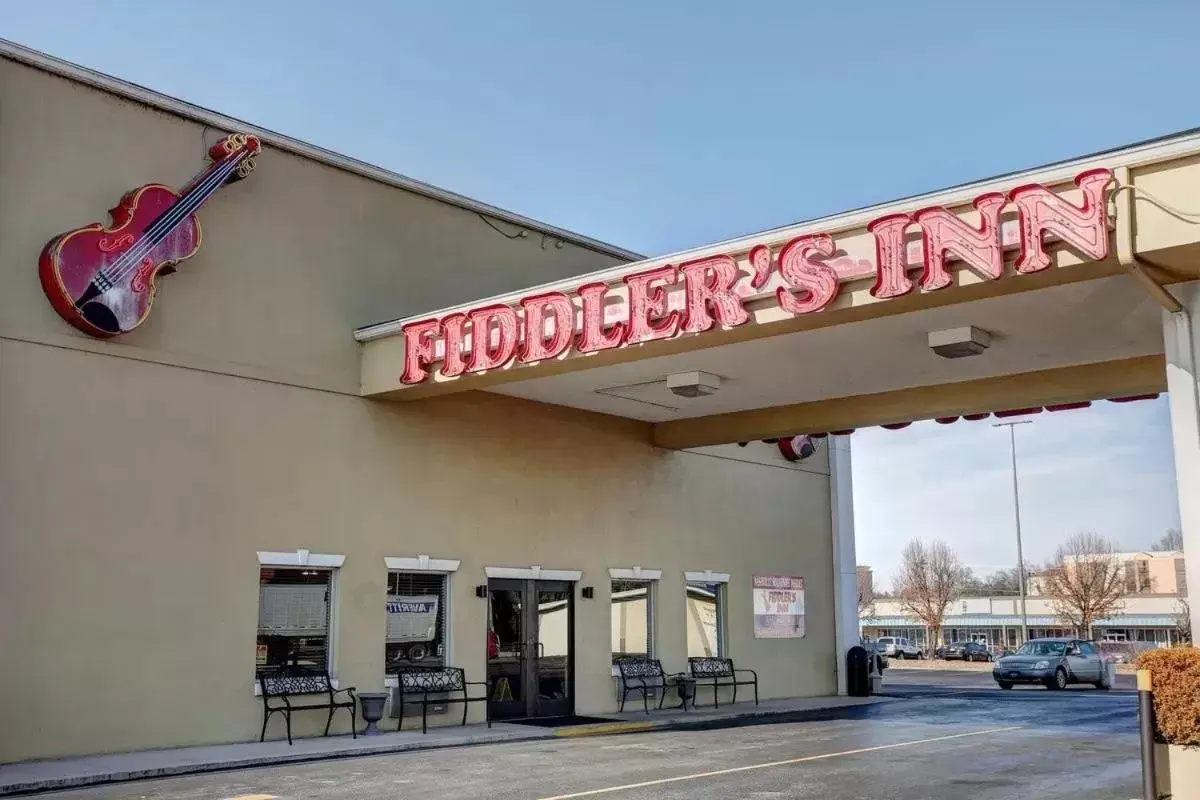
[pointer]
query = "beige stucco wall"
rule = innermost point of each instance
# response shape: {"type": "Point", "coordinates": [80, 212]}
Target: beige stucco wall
{"type": "Point", "coordinates": [139, 477]}
{"type": "Point", "coordinates": [136, 495]}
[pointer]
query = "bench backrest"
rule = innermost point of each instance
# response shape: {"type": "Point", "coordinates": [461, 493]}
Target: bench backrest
{"type": "Point", "coordinates": [640, 667]}
{"type": "Point", "coordinates": [432, 679]}
{"type": "Point", "coordinates": [294, 681]}
{"type": "Point", "coordinates": [704, 667]}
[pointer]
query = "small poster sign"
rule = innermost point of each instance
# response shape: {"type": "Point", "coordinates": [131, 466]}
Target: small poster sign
{"type": "Point", "coordinates": [778, 607]}
{"type": "Point", "coordinates": [260, 658]}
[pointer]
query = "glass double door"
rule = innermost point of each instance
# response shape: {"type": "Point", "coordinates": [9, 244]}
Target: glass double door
{"type": "Point", "coordinates": [531, 629]}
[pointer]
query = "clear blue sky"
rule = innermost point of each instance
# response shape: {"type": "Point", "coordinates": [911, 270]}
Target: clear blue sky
{"type": "Point", "coordinates": [663, 125]}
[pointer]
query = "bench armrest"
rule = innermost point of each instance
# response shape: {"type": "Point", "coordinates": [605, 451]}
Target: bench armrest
{"type": "Point", "coordinates": [350, 690]}
{"type": "Point", "coordinates": [752, 672]}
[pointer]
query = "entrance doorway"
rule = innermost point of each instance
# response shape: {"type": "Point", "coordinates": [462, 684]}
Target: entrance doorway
{"type": "Point", "coordinates": [531, 648]}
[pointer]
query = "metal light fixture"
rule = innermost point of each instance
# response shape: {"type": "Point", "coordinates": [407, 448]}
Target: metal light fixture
{"type": "Point", "coordinates": [959, 342]}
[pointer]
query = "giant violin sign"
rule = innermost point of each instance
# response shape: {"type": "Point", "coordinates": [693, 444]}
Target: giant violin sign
{"type": "Point", "coordinates": [103, 279]}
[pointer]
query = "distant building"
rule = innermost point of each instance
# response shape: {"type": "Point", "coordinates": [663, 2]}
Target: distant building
{"type": "Point", "coordinates": [1146, 573]}
{"type": "Point", "coordinates": [1149, 613]}
{"type": "Point", "coordinates": [866, 582]}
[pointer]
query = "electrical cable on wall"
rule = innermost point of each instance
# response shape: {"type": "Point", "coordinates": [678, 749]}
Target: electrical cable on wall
{"type": "Point", "coordinates": [521, 234]}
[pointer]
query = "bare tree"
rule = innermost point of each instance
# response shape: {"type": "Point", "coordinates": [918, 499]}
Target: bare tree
{"type": "Point", "coordinates": [1001, 583]}
{"type": "Point", "coordinates": [1183, 621]}
{"type": "Point", "coordinates": [1171, 540]}
{"type": "Point", "coordinates": [1085, 581]}
{"type": "Point", "coordinates": [866, 593]}
{"type": "Point", "coordinates": [930, 577]}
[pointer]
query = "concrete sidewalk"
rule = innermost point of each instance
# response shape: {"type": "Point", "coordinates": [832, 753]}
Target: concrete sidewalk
{"type": "Point", "coordinates": [37, 776]}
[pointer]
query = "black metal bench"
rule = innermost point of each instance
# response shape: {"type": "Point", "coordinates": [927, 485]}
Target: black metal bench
{"type": "Point", "coordinates": [419, 683]}
{"type": "Point", "coordinates": [287, 683]}
{"type": "Point", "coordinates": [718, 672]}
{"type": "Point", "coordinates": [642, 675]}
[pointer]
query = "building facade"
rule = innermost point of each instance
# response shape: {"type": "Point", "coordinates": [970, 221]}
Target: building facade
{"type": "Point", "coordinates": [286, 410]}
{"type": "Point", "coordinates": [209, 497]}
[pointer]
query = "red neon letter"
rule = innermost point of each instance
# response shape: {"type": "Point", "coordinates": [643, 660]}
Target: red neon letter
{"type": "Point", "coordinates": [534, 346]}
{"type": "Point", "coordinates": [483, 354]}
{"type": "Point", "coordinates": [944, 234]}
{"type": "Point", "coordinates": [711, 280]}
{"type": "Point", "coordinates": [418, 349]}
{"type": "Point", "coordinates": [1084, 228]}
{"type": "Point", "coordinates": [644, 301]}
{"type": "Point", "coordinates": [818, 281]}
{"type": "Point", "coordinates": [453, 336]}
{"type": "Point", "coordinates": [891, 258]}
{"type": "Point", "coordinates": [593, 337]}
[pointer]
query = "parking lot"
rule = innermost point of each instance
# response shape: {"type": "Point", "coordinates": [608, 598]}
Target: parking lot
{"type": "Point", "coordinates": [948, 734]}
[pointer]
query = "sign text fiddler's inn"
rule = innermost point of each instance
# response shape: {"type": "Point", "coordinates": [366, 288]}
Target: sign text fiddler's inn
{"type": "Point", "coordinates": [806, 274]}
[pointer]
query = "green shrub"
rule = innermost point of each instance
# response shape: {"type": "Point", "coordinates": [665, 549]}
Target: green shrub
{"type": "Point", "coordinates": [1175, 673]}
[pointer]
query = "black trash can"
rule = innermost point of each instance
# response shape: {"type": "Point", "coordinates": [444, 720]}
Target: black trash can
{"type": "Point", "coordinates": [858, 669]}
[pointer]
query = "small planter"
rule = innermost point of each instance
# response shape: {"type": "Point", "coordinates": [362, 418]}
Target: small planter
{"type": "Point", "coordinates": [1177, 771]}
{"type": "Point", "coordinates": [686, 688]}
{"type": "Point", "coordinates": [371, 705]}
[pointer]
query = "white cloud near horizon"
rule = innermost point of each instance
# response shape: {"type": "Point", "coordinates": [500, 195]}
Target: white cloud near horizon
{"type": "Point", "coordinates": [1108, 468]}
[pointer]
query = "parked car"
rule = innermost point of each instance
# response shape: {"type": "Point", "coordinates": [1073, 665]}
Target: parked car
{"type": "Point", "coordinates": [899, 647]}
{"type": "Point", "coordinates": [1123, 652]}
{"type": "Point", "coordinates": [1055, 663]}
{"type": "Point", "coordinates": [965, 651]}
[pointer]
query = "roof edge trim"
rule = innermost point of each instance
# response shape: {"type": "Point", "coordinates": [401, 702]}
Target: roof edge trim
{"type": "Point", "coordinates": [181, 108]}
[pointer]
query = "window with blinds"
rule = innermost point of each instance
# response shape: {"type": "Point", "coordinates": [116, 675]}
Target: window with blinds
{"type": "Point", "coordinates": [705, 623]}
{"type": "Point", "coordinates": [1131, 577]}
{"type": "Point", "coordinates": [632, 619]}
{"type": "Point", "coordinates": [416, 621]}
{"type": "Point", "coordinates": [293, 618]}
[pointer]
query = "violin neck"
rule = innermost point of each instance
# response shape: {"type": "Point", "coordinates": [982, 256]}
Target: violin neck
{"type": "Point", "coordinates": [197, 192]}
{"type": "Point", "coordinates": [205, 185]}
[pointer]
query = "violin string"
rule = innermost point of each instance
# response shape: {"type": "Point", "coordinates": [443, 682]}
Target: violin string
{"type": "Point", "coordinates": [158, 232]}
{"type": "Point", "coordinates": [133, 257]}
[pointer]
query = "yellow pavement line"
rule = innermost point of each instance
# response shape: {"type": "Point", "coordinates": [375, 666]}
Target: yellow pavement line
{"type": "Point", "coordinates": [605, 728]}
{"type": "Point", "coordinates": [788, 762]}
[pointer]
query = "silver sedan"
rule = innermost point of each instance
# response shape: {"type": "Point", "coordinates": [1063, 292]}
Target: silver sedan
{"type": "Point", "coordinates": [1054, 663]}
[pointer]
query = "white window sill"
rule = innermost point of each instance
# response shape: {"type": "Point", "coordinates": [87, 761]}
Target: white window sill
{"type": "Point", "coordinates": [258, 686]}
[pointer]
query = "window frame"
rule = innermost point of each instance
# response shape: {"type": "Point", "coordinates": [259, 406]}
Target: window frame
{"type": "Point", "coordinates": [423, 564]}
{"type": "Point", "coordinates": [300, 559]}
{"type": "Point", "coordinates": [721, 580]}
{"type": "Point", "coordinates": [651, 578]}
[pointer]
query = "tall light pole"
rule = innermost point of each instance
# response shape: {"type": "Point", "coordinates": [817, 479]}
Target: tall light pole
{"type": "Point", "coordinates": [1012, 443]}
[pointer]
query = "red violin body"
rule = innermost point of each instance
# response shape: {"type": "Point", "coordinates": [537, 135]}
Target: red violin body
{"type": "Point", "coordinates": [102, 279]}
{"type": "Point", "coordinates": [73, 261]}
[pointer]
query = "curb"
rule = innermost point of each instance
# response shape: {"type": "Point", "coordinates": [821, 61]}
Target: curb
{"type": "Point", "coordinates": [605, 729]}
{"type": "Point", "coordinates": [227, 765]}
{"type": "Point", "coordinates": [749, 717]}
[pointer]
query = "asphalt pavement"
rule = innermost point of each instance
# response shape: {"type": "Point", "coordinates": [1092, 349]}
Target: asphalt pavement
{"type": "Point", "coordinates": [949, 735]}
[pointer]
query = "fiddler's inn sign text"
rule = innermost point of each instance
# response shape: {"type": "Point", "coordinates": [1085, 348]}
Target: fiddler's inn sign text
{"type": "Point", "coordinates": [806, 274]}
